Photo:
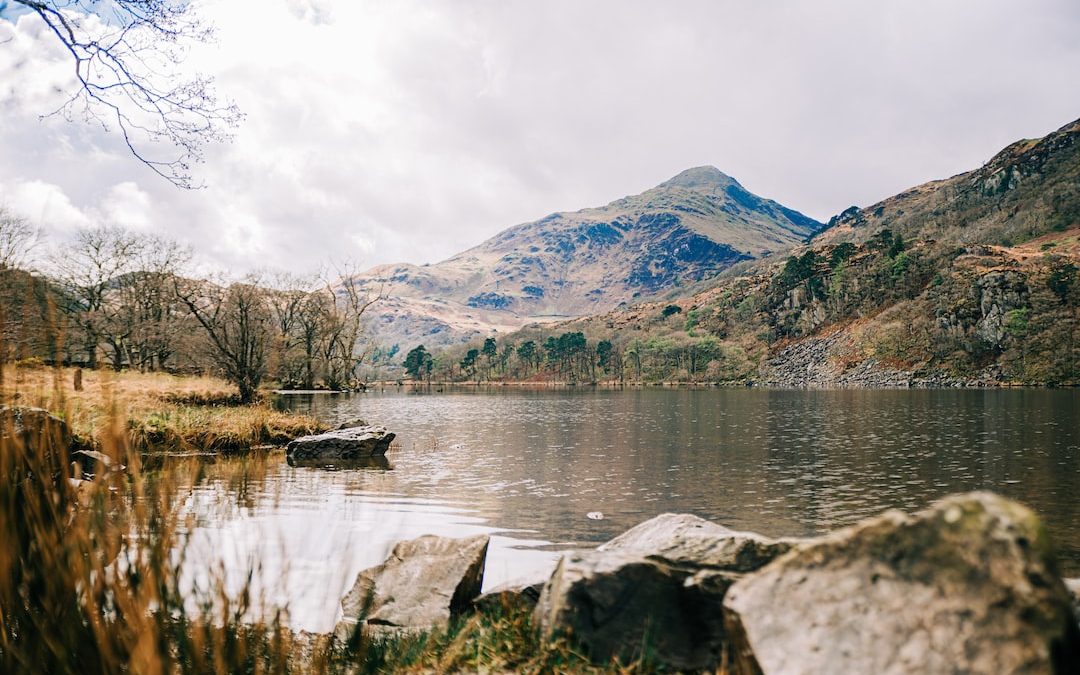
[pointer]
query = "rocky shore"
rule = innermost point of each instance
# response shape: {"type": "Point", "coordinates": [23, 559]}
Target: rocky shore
{"type": "Point", "coordinates": [826, 362]}
{"type": "Point", "coordinates": [968, 585]}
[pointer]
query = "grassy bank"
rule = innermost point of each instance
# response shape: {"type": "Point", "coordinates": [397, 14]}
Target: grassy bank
{"type": "Point", "coordinates": [157, 411]}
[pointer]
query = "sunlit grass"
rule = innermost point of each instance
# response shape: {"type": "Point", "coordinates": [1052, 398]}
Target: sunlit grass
{"type": "Point", "coordinates": [162, 411]}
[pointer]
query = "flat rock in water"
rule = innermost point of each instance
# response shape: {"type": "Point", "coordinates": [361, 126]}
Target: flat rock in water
{"type": "Point", "coordinates": [423, 583]}
{"type": "Point", "coordinates": [968, 586]}
{"type": "Point", "coordinates": [349, 443]}
{"type": "Point", "coordinates": [656, 589]}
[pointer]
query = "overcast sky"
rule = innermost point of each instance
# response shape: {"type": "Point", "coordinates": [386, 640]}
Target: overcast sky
{"type": "Point", "coordinates": [392, 130]}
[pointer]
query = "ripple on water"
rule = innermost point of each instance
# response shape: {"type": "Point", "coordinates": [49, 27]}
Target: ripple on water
{"type": "Point", "coordinates": [530, 464]}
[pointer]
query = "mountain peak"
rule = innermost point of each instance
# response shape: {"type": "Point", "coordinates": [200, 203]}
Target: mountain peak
{"type": "Point", "coordinates": [701, 177]}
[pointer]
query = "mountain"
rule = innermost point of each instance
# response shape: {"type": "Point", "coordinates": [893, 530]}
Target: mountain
{"type": "Point", "coordinates": [636, 248]}
{"type": "Point", "coordinates": [1030, 188]}
{"type": "Point", "coordinates": [970, 280]}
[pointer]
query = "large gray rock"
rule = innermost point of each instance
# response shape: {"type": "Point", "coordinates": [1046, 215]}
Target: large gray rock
{"type": "Point", "coordinates": [655, 589]}
{"type": "Point", "coordinates": [967, 586]}
{"type": "Point", "coordinates": [350, 443]}
{"type": "Point", "coordinates": [423, 583]}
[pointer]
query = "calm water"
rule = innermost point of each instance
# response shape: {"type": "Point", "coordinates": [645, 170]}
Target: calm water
{"type": "Point", "coordinates": [529, 465]}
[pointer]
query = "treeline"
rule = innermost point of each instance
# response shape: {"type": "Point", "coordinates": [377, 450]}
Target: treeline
{"type": "Point", "coordinates": [115, 298]}
{"type": "Point", "coordinates": [572, 357]}
{"type": "Point", "coordinates": [925, 306]}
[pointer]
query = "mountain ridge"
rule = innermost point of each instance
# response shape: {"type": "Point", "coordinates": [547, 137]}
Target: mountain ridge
{"type": "Point", "coordinates": [573, 263]}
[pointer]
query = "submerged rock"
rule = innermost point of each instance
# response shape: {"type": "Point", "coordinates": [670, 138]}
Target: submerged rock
{"type": "Point", "coordinates": [969, 585]}
{"type": "Point", "coordinates": [422, 585]}
{"type": "Point", "coordinates": [349, 443]}
{"type": "Point", "coordinates": [655, 589]}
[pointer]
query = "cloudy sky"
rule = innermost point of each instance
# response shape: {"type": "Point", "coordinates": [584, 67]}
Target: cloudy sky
{"type": "Point", "coordinates": [393, 130]}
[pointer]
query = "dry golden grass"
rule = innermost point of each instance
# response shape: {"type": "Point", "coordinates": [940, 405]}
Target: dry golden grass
{"type": "Point", "coordinates": [163, 412]}
{"type": "Point", "coordinates": [89, 571]}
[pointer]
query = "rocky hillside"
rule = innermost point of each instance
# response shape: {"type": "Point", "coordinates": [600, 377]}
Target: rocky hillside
{"type": "Point", "coordinates": [634, 249]}
{"type": "Point", "coordinates": [970, 280]}
{"type": "Point", "coordinates": [1029, 189]}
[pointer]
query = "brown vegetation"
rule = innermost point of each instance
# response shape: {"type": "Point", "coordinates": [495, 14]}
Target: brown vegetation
{"type": "Point", "coordinates": [162, 411]}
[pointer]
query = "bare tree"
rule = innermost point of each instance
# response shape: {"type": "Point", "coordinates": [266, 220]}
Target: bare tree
{"type": "Point", "coordinates": [17, 240]}
{"type": "Point", "coordinates": [148, 306]}
{"type": "Point", "coordinates": [238, 323]}
{"type": "Point", "coordinates": [89, 271]}
{"type": "Point", "coordinates": [311, 321]}
{"type": "Point", "coordinates": [287, 295]}
{"type": "Point", "coordinates": [343, 347]}
{"type": "Point", "coordinates": [26, 328]}
{"type": "Point", "coordinates": [126, 56]}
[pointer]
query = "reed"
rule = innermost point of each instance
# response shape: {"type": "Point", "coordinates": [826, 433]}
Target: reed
{"type": "Point", "coordinates": [92, 576]}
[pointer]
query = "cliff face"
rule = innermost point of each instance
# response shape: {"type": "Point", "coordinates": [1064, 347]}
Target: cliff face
{"type": "Point", "coordinates": [634, 249]}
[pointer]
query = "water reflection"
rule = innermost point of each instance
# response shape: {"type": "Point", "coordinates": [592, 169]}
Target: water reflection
{"type": "Point", "coordinates": [377, 463]}
{"type": "Point", "coordinates": [531, 464]}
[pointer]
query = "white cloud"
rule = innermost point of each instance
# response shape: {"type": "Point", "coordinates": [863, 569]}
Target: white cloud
{"type": "Point", "coordinates": [127, 205]}
{"type": "Point", "coordinates": [407, 131]}
{"type": "Point", "coordinates": [44, 205]}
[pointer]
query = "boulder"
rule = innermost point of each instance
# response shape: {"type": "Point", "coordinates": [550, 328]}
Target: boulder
{"type": "Point", "coordinates": [35, 427]}
{"type": "Point", "coordinates": [655, 589]}
{"type": "Point", "coordinates": [421, 586]}
{"type": "Point", "coordinates": [968, 586]}
{"type": "Point", "coordinates": [1074, 589]}
{"type": "Point", "coordinates": [510, 597]}
{"type": "Point", "coordinates": [50, 437]}
{"type": "Point", "coordinates": [350, 443]}
{"type": "Point", "coordinates": [684, 540]}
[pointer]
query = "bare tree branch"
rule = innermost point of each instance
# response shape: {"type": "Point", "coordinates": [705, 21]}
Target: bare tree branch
{"type": "Point", "coordinates": [126, 56]}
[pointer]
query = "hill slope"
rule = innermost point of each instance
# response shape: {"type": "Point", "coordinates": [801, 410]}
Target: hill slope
{"type": "Point", "coordinates": [571, 264]}
{"type": "Point", "coordinates": [1028, 189]}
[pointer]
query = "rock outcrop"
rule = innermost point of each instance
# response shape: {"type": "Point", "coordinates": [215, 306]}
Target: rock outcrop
{"type": "Point", "coordinates": [423, 583]}
{"type": "Point", "coordinates": [348, 443]}
{"type": "Point", "coordinates": [969, 585]}
{"type": "Point", "coordinates": [657, 588]}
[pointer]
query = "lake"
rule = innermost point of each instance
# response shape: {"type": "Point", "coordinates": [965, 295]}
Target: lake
{"type": "Point", "coordinates": [530, 465]}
